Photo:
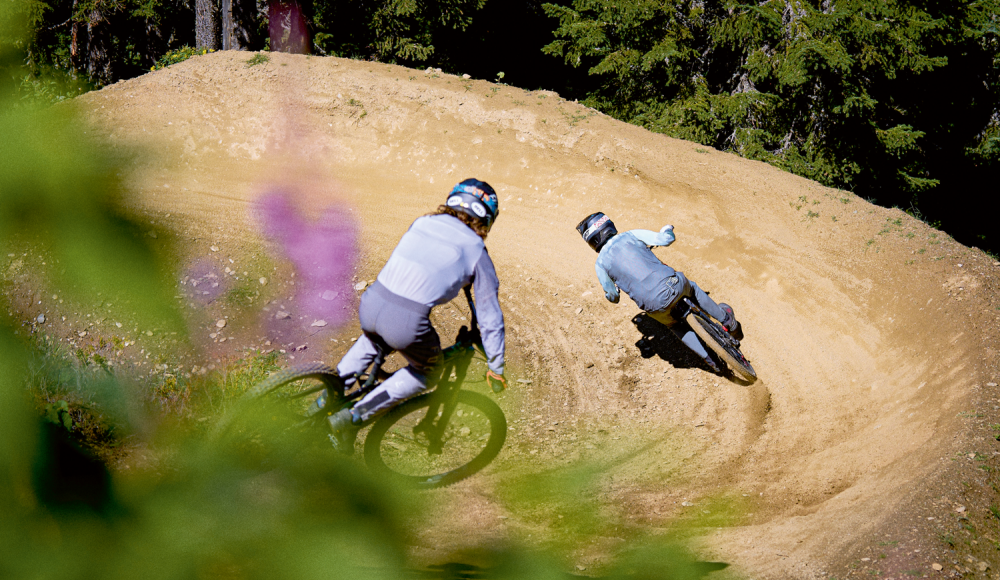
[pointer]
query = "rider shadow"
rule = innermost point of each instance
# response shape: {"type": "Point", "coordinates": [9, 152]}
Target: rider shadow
{"type": "Point", "coordinates": [658, 340]}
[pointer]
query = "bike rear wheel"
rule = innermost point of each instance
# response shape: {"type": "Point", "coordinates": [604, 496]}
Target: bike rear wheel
{"type": "Point", "coordinates": [289, 397]}
{"type": "Point", "coordinates": [474, 435]}
{"type": "Point", "coordinates": [724, 345]}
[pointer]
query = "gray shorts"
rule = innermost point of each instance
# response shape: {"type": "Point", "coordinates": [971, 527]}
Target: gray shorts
{"type": "Point", "coordinates": [394, 323]}
{"type": "Point", "coordinates": [685, 287]}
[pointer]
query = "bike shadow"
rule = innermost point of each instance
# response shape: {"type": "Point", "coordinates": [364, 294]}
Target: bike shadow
{"type": "Point", "coordinates": [658, 340]}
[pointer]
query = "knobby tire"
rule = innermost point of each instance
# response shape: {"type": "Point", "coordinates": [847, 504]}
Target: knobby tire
{"type": "Point", "coordinates": [397, 423]}
{"type": "Point", "coordinates": [303, 382]}
{"type": "Point", "coordinates": [724, 345]}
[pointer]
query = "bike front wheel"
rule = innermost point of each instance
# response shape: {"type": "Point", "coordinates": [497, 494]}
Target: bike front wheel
{"type": "Point", "coordinates": [398, 448]}
{"type": "Point", "coordinates": [724, 345]}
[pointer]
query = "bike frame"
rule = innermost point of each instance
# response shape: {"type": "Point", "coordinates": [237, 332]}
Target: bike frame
{"type": "Point", "coordinates": [455, 361]}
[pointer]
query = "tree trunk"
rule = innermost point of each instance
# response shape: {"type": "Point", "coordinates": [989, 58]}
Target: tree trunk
{"type": "Point", "coordinates": [98, 57]}
{"type": "Point", "coordinates": [206, 26]}
{"type": "Point", "coordinates": [287, 27]}
{"type": "Point", "coordinates": [227, 25]}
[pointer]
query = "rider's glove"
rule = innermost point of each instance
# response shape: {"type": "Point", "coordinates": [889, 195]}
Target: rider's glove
{"type": "Point", "coordinates": [667, 228]}
{"type": "Point", "coordinates": [497, 382]}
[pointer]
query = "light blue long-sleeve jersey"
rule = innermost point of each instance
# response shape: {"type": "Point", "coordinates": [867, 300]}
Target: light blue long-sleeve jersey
{"type": "Point", "coordinates": [437, 257]}
{"type": "Point", "coordinates": [626, 262]}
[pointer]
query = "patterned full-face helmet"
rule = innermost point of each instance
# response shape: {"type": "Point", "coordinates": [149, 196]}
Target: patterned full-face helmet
{"type": "Point", "coordinates": [477, 199]}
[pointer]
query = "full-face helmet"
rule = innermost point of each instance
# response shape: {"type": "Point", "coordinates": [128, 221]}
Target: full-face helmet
{"type": "Point", "coordinates": [596, 230]}
{"type": "Point", "coordinates": [477, 199]}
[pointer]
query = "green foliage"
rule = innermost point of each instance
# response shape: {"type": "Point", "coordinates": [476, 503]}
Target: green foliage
{"type": "Point", "coordinates": [857, 94]}
{"type": "Point", "coordinates": [178, 55]}
{"type": "Point", "coordinates": [397, 31]}
{"type": "Point", "coordinates": [57, 413]}
{"type": "Point", "coordinates": [78, 43]}
{"type": "Point", "coordinates": [259, 58]}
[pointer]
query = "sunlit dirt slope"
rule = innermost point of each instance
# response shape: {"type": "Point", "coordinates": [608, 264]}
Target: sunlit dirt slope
{"type": "Point", "coordinates": [871, 332]}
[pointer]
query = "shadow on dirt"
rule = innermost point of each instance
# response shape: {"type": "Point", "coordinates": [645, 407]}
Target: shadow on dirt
{"type": "Point", "coordinates": [460, 571]}
{"type": "Point", "coordinates": [659, 340]}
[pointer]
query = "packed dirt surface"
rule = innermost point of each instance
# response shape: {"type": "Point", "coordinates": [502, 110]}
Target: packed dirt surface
{"type": "Point", "coordinates": [864, 448]}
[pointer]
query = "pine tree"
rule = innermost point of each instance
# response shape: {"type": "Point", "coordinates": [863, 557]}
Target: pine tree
{"type": "Point", "coordinates": [883, 97]}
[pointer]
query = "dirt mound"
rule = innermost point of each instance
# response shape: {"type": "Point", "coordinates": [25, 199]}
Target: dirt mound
{"type": "Point", "coordinates": [873, 334]}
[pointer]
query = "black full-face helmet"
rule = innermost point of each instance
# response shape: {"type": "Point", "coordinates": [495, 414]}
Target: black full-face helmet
{"type": "Point", "coordinates": [596, 230]}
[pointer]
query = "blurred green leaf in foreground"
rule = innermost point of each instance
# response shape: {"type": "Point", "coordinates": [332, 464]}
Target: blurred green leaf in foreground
{"type": "Point", "coordinates": [200, 508]}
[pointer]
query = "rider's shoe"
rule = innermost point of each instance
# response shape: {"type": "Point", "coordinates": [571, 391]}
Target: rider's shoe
{"type": "Point", "coordinates": [730, 323]}
{"type": "Point", "coordinates": [343, 431]}
{"type": "Point", "coordinates": [711, 364]}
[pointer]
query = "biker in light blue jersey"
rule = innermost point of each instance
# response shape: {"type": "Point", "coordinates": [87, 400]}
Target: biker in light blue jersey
{"type": "Point", "coordinates": [439, 255]}
{"type": "Point", "coordinates": [625, 262]}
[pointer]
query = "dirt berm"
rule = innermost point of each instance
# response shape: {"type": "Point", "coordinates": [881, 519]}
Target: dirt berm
{"type": "Point", "coordinates": [866, 445]}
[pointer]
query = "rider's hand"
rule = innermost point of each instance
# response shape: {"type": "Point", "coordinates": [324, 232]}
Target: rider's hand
{"type": "Point", "coordinates": [667, 228]}
{"type": "Point", "coordinates": [497, 382]}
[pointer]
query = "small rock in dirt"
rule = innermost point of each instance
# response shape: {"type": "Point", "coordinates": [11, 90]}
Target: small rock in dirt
{"type": "Point", "coordinates": [579, 310]}
{"type": "Point", "coordinates": [466, 77]}
{"type": "Point", "coordinates": [118, 324]}
{"type": "Point", "coordinates": [263, 281]}
{"type": "Point", "coordinates": [361, 285]}
{"type": "Point", "coordinates": [329, 295]}
{"type": "Point", "coordinates": [588, 365]}
{"type": "Point", "coordinates": [214, 248]}
{"type": "Point", "coordinates": [301, 347]}
{"type": "Point", "coordinates": [524, 381]}
{"type": "Point", "coordinates": [149, 333]}
{"type": "Point", "coordinates": [220, 323]}
{"type": "Point", "coordinates": [983, 566]}
{"type": "Point", "coordinates": [937, 567]}
{"type": "Point", "coordinates": [282, 315]}
{"type": "Point", "coordinates": [318, 323]}
{"type": "Point", "coordinates": [581, 568]}
{"type": "Point", "coordinates": [82, 333]}
{"type": "Point", "coordinates": [996, 263]}
{"type": "Point", "coordinates": [960, 509]}
{"type": "Point", "coordinates": [991, 384]}
{"type": "Point", "coordinates": [686, 504]}
{"type": "Point", "coordinates": [40, 319]}
{"type": "Point", "coordinates": [213, 335]}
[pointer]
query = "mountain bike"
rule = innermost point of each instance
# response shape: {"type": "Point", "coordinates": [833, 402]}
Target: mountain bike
{"type": "Point", "coordinates": [431, 440]}
{"type": "Point", "coordinates": [715, 337]}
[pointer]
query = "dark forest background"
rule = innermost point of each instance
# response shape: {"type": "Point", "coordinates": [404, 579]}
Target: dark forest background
{"type": "Point", "coordinates": [896, 101]}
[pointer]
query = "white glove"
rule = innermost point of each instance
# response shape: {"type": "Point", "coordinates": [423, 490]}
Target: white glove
{"type": "Point", "coordinates": [667, 228]}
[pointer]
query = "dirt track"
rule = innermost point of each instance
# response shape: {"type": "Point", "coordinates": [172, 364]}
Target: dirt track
{"type": "Point", "coordinates": [874, 335]}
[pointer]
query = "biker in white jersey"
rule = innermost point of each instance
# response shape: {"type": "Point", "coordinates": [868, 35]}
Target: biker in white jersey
{"type": "Point", "coordinates": [625, 262]}
{"type": "Point", "coordinates": [439, 255]}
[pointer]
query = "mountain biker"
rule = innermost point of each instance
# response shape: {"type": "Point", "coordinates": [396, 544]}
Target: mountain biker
{"type": "Point", "coordinates": [625, 262]}
{"type": "Point", "coordinates": [440, 254]}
